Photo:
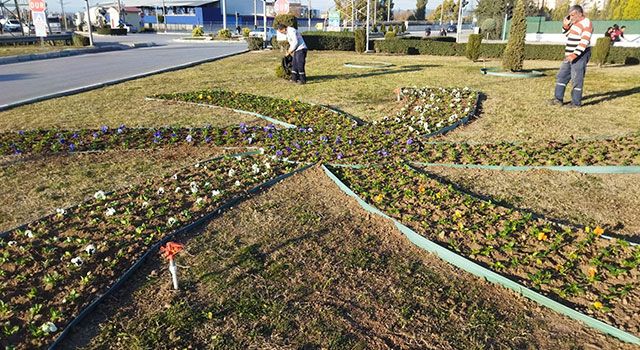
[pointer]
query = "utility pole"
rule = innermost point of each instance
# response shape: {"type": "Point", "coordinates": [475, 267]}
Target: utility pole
{"type": "Point", "coordinates": [459, 28]}
{"type": "Point", "coordinates": [224, 14]}
{"type": "Point", "coordinates": [255, 13]}
{"type": "Point", "coordinates": [19, 16]}
{"type": "Point", "coordinates": [504, 24]}
{"type": "Point", "coordinates": [309, 9]}
{"type": "Point", "coordinates": [64, 16]}
{"type": "Point", "coordinates": [388, 10]}
{"type": "Point", "coordinates": [264, 19]}
{"type": "Point", "coordinates": [89, 23]}
{"type": "Point", "coordinates": [375, 13]}
{"type": "Point", "coordinates": [353, 15]}
{"type": "Point", "coordinates": [164, 16]}
{"type": "Point", "coordinates": [368, 20]}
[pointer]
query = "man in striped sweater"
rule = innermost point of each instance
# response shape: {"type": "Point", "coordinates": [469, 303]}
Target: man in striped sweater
{"type": "Point", "coordinates": [578, 30]}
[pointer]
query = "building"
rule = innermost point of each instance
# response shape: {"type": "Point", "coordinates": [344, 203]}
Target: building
{"type": "Point", "coordinates": [586, 4]}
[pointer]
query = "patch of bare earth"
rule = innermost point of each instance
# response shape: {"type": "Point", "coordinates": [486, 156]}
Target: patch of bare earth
{"type": "Point", "coordinates": [302, 266]}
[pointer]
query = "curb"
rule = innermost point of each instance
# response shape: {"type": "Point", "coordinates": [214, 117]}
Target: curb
{"type": "Point", "coordinates": [71, 52]}
{"type": "Point", "coordinates": [113, 82]}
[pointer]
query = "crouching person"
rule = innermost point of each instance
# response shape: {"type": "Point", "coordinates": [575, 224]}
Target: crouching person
{"type": "Point", "coordinates": [297, 50]}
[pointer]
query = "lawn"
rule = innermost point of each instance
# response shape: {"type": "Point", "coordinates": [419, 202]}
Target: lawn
{"type": "Point", "coordinates": [303, 233]}
{"type": "Point", "coordinates": [31, 49]}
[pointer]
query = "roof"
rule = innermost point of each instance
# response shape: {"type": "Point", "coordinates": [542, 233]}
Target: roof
{"type": "Point", "coordinates": [168, 3]}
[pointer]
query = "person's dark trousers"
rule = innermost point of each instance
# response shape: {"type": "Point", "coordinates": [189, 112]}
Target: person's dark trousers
{"type": "Point", "coordinates": [575, 72]}
{"type": "Point", "coordinates": [299, 61]}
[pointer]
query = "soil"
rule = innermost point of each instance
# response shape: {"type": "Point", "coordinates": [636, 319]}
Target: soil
{"type": "Point", "coordinates": [302, 266]}
{"type": "Point", "coordinates": [610, 201]}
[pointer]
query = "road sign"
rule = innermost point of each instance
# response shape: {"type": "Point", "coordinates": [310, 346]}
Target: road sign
{"type": "Point", "coordinates": [281, 6]}
{"type": "Point", "coordinates": [37, 5]}
{"type": "Point", "coordinates": [40, 22]}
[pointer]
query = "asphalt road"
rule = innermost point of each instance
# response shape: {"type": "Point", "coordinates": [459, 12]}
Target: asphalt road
{"type": "Point", "coordinates": [27, 80]}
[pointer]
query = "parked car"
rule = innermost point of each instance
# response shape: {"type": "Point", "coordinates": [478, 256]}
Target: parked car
{"type": "Point", "coordinates": [12, 25]}
{"type": "Point", "coordinates": [260, 33]}
{"type": "Point", "coordinates": [452, 28]}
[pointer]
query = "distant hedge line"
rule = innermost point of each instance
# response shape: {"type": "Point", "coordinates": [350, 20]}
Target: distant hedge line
{"type": "Point", "coordinates": [444, 46]}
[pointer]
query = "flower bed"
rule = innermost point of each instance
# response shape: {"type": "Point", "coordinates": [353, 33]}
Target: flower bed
{"type": "Point", "coordinates": [54, 267]}
{"type": "Point", "coordinates": [617, 151]}
{"type": "Point", "coordinates": [593, 275]}
{"type": "Point", "coordinates": [293, 112]}
{"type": "Point", "coordinates": [123, 138]}
{"type": "Point", "coordinates": [428, 111]}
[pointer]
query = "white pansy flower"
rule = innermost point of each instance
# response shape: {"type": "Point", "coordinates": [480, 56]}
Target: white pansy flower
{"type": "Point", "coordinates": [49, 327]}
{"type": "Point", "coordinates": [177, 190]}
{"type": "Point", "coordinates": [29, 233]}
{"type": "Point", "coordinates": [110, 212]}
{"type": "Point", "coordinates": [61, 211]}
{"type": "Point", "coordinates": [215, 193]}
{"type": "Point", "coordinates": [194, 187]}
{"type": "Point", "coordinates": [171, 221]}
{"type": "Point", "coordinates": [237, 183]}
{"type": "Point", "coordinates": [100, 195]}
{"type": "Point", "coordinates": [161, 190]}
{"type": "Point", "coordinates": [145, 204]}
{"type": "Point", "coordinates": [231, 172]}
{"type": "Point", "coordinates": [199, 201]}
{"type": "Point", "coordinates": [90, 249]}
{"type": "Point", "coordinates": [255, 168]}
{"type": "Point", "coordinates": [77, 261]}
{"type": "Point", "coordinates": [175, 176]}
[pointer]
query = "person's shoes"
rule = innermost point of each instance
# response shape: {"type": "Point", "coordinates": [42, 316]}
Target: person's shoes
{"type": "Point", "coordinates": [571, 105]}
{"type": "Point", "coordinates": [555, 102]}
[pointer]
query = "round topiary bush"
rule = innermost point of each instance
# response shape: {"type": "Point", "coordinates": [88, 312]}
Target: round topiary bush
{"type": "Point", "coordinates": [383, 29]}
{"type": "Point", "coordinates": [224, 34]}
{"type": "Point", "coordinates": [197, 32]}
{"type": "Point", "coordinates": [255, 43]}
{"type": "Point", "coordinates": [473, 47]}
{"type": "Point", "coordinates": [246, 32]}
{"type": "Point", "coordinates": [390, 35]}
{"type": "Point", "coordinates": [489, 26]}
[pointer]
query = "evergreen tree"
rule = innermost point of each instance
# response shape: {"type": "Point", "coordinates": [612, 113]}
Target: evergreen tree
{"type": "Point", "coordinates": [513, 56]}
{"type": "Point", "coordinates": [421, 6]}
{"type": "Point", "coordinates": [561, 11]}
{"type": "Point", "coordinates": [632, 10]}
{"type": "Point", "coordinates": [618, 12]}
{"type": "Point", "coordinates": [450, 12]}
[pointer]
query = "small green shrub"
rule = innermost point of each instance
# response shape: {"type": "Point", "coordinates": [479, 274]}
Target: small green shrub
{"type": "Point", "coordinates": [281, 73]}
{"type": "Point", "coordinates": [224, 34]}
{"type": "Point", "coordinates": [197, 32]}
{"type": "Point", "coordinates": [390, 35]}
{"type": "Point", "coordinates": [473, 47]}
{"type": "Point", "coordinates": [255, 43]}
{"type": "Point", "coordinates": [361, 40]}
{"type": "Point", "coordinates": [601, 50]}
{"type": "Point", "coordinates": [246, 32]}
{"type": "Point", "coordinates": [286, 19]}
{"type": "Point", "coordinates": [80, 40]}
{"type": "Point", "coordinates": [383, 28]}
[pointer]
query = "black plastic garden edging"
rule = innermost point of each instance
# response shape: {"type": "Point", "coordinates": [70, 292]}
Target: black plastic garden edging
{"type": "Point", "coordinates": [482, 272]}
{"type": "Point", "coordinates": [154, 248]}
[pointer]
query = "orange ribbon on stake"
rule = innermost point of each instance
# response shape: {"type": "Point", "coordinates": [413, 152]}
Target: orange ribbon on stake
{"type": "Point", "coordinates": [169, 251]}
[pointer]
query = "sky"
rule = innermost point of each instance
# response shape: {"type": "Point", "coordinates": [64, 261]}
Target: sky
{"type": "Point", "coordinates": [76, 5]}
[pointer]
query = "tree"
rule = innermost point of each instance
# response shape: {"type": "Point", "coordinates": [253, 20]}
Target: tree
{"type": "Point", "coordinates": [344, 6]}
{"type": "Point", "coordinates": [618, 11]}
{"type": "Point", "coordinates": [450, 12]}
{"type": "Point", "coordinates": [561, 11]}
{"type": "Point", "coordinates": [632, 10]}
{"type": "Point", "coordinates": [513, 56]}
{"type": "Point", "coordinates": [421, 6]}
{"type": "Point", "coordinates": [494, 9]}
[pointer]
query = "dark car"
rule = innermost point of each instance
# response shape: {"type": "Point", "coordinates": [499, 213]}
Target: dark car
{"type": "Point", "coordinates": [452, 28]}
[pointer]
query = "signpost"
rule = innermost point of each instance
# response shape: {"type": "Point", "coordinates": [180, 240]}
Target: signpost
{"type": "Point", "coordinates": [281, 6]}
{"type": "Point", "coordinates": [334, 20]}
{"type": "Point", "coordinates": [38, 8]}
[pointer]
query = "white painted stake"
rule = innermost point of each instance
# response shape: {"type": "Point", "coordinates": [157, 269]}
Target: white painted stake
{"type": "Point", "coordinates": [173, 268]}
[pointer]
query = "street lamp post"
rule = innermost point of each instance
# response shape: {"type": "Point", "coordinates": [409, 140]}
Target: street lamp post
{"type": "Point", "coordinates": [309, 9]}
{"type": "Point", "coordinates": [264, 20]}
{"type": "Point", "coordinates": [504, 24]}
{"type": "Point", "coordinates": [224, 14]}
{"type": "Point", "coordinates": [89, 23]}
{"type": "Point", "coordinates": [459, 27]}
{"type": "Point", "coordinates": [368, 20]}
{"type": "Point", "coordinates": [255, 14]}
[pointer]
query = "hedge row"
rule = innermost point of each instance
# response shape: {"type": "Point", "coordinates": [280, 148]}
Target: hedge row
{"type": "Point", "coordinates": [532, 52]}
{"type": "Point", "coordinates": [443, 46]}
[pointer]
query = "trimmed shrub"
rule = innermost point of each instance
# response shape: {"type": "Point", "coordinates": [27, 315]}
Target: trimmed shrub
{"type": "Point", "coordinates": [601, 50]}
{"type": "Point", "coordinates": [80, 40]}
{"type": "Point", "coordinates": [245, 32]}
{"type": "Point", "coordinates": [255, 43]}
{"type": "Point", "coordinates": [374, 28]}
{"type": "Point", "coordinates": [396, 29]}
{"type": "Point", "coordinates": [360, 40]}
{"type": "Point", "coordinates": [286, 19]}
{"type": "Point", "coordinates": [224, 34]}
{"type": "Point", "coordinates": [335, 41]}
{"type": "Point", "coordinates": [383, 28]}
{"type": "Point", "coordinates": [448, 39]}
{"type": "Point", "coordinates": [390, 35]}
{"type": "Point", "coordinates": [513, 56]}
{"type": "Point", "coordinates": [473, 47]}
{"type": "Point", "coordinates": [111, 31]}
{"type": "Point", "coordinates": [197, 32]}
{"type": "Point", "coordinates": [403, 28]}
